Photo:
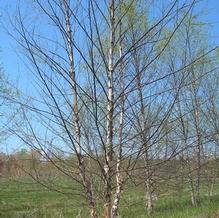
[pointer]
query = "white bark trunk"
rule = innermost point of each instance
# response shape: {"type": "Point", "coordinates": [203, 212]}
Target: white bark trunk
{"type": "Point", "coordinates": [109, 125]}
{"type": "Point", "coordinates": [119, 179]}
{"type": "Point", "coordinates": [149, 197]}
{"type": "Point", "coordinates": [192, 190]}
{"type": "Point", "coordinates": [85, 180]}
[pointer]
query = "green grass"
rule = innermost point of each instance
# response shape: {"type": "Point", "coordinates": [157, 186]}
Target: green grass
{"type": "Point", "coordinates": [32, 200]}
{"type": "Point", "coordinates": [19, 200]}
{"type": "Point", "coordinates": [170, 206]}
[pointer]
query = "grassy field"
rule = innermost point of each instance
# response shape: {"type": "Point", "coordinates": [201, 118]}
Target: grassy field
{"type": "Point", "coordinates": [18, 200]}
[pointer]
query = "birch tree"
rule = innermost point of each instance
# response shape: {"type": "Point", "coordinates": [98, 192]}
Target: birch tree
{"type": "Point", "coordinates": [98, 76]}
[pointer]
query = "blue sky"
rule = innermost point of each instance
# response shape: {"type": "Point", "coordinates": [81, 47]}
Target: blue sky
{"type": "Point", "coordinates": [13, 64]}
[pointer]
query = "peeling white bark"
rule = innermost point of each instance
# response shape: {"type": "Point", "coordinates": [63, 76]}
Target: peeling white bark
{"type": "Point", "coordinates": [119, 179]}
{"type": "Point", "coordinates": [85, 180]}
{"type": "Point", "coordinates": [110, 108]}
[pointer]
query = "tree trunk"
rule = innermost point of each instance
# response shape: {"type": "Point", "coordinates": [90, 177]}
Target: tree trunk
{"type": "Point", "coordinates": [194, 199]}
{"type": "Point", "coordinates": [117, 197]}
{"type": "Point", "coordinates": [149, 197]}
{"type": "Point", "coordinates": [107, 211]}
{"type": "Point", "coordinates": [93, 212]}
{"type": "Point", "coordinates": [119, 179]}
{"type": "Point", "coordinates": [110, 112]}
{"type": "Point", "coordinates": [211, 189]}
{"type": "Point", "coordinates": [77, 146]}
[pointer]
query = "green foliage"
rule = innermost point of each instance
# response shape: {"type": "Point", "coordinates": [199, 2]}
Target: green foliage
{"type": "Point", "coordinates": [134, 15]}
{"type": "Point", "coordinates": [21, 153]}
